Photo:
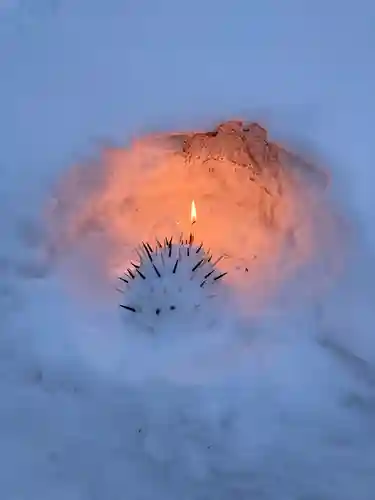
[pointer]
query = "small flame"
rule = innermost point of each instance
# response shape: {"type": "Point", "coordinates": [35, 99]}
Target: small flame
{"type": "Point", "coordinates": [193, 212]}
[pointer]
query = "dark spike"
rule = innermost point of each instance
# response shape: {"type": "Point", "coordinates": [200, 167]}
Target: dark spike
{"type": "Point", "coordinates": [170, 248]}
{"type": "Point", "coordinates": [220, 276]}
{"type": "Point", "coordinates": [158, 243]}
{"type": "Point", "coordinates": [156, 270]}
{"type": "Point", "coordinates": [147, 251]}
{"type": "Point", "coordinates": [175, 266]}
{"type": "Point", "coordinates": [191, 238]}
{"type": "Point", "coordinates": [188, 250]}
{"type": "Point", "coordinates": [198, 264]}
{"type": "Point", "coordinates": [140, 274]}
{"type": "Point", "coordinates": [123, 279]}
{"type": "Point", "coordinates": [202, 284]}
{"type": "Point", "coordinates": [149, 247]}
{"type": "Point", "coordinates": [130, 274]}
{"type": "Point", "coordinates": [128, 308]}
{"type": "Point", "coordinates": [209, 258]}
{"type": "Point", "coordinates": [134, 265]}
{"type": "Point", "coordinates": [209, 274]}
{"type": "Point", "coordinates": [199, 248]}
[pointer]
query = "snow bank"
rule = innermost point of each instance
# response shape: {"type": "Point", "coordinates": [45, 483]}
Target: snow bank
{"type": "Point", "coordinates": [274, 405]}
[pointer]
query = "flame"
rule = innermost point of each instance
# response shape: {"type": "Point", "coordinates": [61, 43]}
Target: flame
{"type": "Point", "coordinates": [193, 213]}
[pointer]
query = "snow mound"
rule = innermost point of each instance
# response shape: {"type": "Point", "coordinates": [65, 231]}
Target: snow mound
{"type": "Point", "coordinates": [276, 405]}
{"type": "Point", "coordinates": [264, 209]}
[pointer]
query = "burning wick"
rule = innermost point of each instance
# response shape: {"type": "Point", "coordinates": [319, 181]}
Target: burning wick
{"type": "Point", "coordinates": [193, 213]}
{"type": "Point", "coordinates": [193, 220]}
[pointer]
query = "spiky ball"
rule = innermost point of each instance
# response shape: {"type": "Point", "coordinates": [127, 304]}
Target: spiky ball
{"type": "Point", "coordinates": [171, 282]}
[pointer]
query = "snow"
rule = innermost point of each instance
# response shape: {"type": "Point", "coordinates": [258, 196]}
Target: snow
{"type": "Point", "coordinates": [276, 407]}
{"type": "Point", "coordinates": [267, 407]}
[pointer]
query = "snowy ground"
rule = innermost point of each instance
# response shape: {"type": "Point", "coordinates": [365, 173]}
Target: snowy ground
{"type": "Point", "coordinates": [265, 409]}
{"type": "Point", "coordinates": [281, 408]}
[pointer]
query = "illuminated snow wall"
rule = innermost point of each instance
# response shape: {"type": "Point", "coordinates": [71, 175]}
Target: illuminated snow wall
{"type": "Point", "coordinates": [266, 210]}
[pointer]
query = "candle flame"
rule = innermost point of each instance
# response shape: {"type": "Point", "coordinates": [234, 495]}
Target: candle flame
{"type": "Point", "coordinates": [193, 213]}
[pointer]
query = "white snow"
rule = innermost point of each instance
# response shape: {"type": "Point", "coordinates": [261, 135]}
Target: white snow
{"type": "Point", "coordinates": [278, 407]}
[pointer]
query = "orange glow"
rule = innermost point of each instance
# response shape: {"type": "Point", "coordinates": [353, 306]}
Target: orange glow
{"type": "Point", "coordinates": [193, 212]}
{"type": "Point", "coordinates": [261, 208]}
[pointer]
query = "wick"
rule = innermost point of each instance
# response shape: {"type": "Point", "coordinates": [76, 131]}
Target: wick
{"type": "Point", "coordinates": [191, 236]}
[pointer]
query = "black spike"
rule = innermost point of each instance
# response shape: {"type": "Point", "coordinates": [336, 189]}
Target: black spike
{"type": "Point", "coordinates": [131, 274]}
{"type": "Point", "coordinates": [156, 270]}
{"type": "Point", "coordinates": [140, 274]}
{"type": "Point", "coordinates": [123, 279]}
{"type": "Point", "coordinates": [198, 264]}
{"type": "Point", "coordinates": [209, 258]}
{"type": "Point", "coordinates": [170, 248]}
{"type": "Point", "coordinates": [209, 274]}
{"type": "Point", "coordinates": [147, 251]}
{"type": "Point", "coordinates": [149, 247]}
{"type": "Point", "coordinates": [199, 248]}
{"type": "Point", "coordinates": [175, 266]}
{"type": "Point", "coordinates": [128, 308]}
{"type": "Point", "coordinates": [191, 239]}
{"type": "Point", "coordinates": [202, 284]}
{"type": "Point", "coordinates": [134, 265]}
{"type": "Point", "coordinates": [220, 276]}
{"type": "Point", "coordinates": [158, 243]}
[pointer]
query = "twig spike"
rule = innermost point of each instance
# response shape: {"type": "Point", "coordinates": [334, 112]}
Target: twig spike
{"type": "Point", "coordinates": [218, 260]}
{"type": "Point", "coordinates": [156, 270]}
{"type": "Point", "coordinates": [175, 266]}
{"type": "Point", "coordinates": [132, 309]}
{"type": "Point", "coordinates": [220, 276]}
{"type": "Point", "coordinates": [198, 264]}
{"type": "Point", "coordinates": [147, 251]}
{"type": "Point", "coordinates": [140, 274]}
{"type": "Point", "coordinates": [209, 274]}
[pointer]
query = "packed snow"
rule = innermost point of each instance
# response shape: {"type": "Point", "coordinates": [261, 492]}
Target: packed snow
{"type": "Point", "coordinates": [278, 405]}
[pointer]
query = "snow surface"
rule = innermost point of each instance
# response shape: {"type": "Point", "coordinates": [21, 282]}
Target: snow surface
{"type": "Point", "coordinates": [279, 407]}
